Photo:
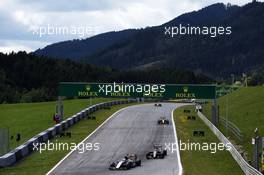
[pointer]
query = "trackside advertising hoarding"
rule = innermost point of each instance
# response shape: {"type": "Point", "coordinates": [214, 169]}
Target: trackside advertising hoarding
{"type": "Point", "coordinates": [127, 90]}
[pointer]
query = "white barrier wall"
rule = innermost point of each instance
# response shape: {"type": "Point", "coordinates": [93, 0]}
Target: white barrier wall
{"type": "Point", "coordinates": [24, 150]}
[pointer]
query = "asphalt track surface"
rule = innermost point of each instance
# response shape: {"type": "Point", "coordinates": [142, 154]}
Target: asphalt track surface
{"type": "Point", "coordinates": [131, 130]}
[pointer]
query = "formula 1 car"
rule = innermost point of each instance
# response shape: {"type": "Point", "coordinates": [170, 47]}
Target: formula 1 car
{"type": "Point", "coordinates": [157, 153]}
{"type": "Point", "coordinates": [163, 121]}
{"type": "Point", "coordinates": [126, 163]}
{"type": "Point", "coordinates": [158, 105]}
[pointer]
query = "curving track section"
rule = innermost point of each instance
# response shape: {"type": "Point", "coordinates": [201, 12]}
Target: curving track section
{"type": "Point", "coordinates": [131, 130]}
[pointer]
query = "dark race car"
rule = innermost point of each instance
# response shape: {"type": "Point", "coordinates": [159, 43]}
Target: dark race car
{"type": "Point", "coordinates": [126, 163]}
{"type": "Point", "coordinates": [163, 121]}
{"type": "Point", "coordinates": [158, 105]}
{"type": "Point", "coordinates": [157, 153]}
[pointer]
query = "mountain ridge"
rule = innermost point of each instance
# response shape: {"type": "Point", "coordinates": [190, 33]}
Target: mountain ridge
{"type": "Point", "coordinates": [235, 54]}
{"type": "Point", "coordinates": [77, 49]}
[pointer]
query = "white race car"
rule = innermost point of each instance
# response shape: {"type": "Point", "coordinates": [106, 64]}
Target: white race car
{"type": "Point", "coordinates": [126, 163]}
{"type": "Point", "coordinates": [157, 153]}
{"type": "Point", "coordinates": [163, 121]}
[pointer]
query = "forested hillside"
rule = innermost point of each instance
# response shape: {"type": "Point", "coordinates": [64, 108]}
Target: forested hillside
{"type": "Point", "coordinates": [221, 56]}
{"type": "Point", "coordinates": [28, 78]}
{"type": "Point", "coordinates": [218, 57]}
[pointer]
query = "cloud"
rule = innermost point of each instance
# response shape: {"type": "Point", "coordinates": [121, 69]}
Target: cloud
{"type": "Point", "coordinates": [8, 46]}
{"type": "Point", "coordinates": [67, 5]}
{"type": "Point", "coordinates": [18, 18]}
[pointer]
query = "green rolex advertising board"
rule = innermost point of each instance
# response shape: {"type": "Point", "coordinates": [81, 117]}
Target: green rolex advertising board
{"type": "Point", "coordinates": [127, 90]}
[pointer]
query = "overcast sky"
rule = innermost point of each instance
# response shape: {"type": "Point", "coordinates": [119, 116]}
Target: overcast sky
{"type": "Point", "coordinates": [22, 21]}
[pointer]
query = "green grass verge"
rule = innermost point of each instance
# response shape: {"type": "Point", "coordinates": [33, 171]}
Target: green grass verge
{"type": "Point", "coordinates": [244, 108]}
{"type": "Point", "coordinates": [40, 163]}
{"type": "Point", "coordinates": [29, 119]}
{"type": "Point", "coordinates": [202, 162]}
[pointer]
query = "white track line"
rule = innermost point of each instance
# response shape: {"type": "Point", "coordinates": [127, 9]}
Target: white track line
{"type": "Point", "coordinates": [176, 140]}
{"type": "Point", "coordinates": [49, 173]}
{"type": "Point", "coordinates": [174, 128]}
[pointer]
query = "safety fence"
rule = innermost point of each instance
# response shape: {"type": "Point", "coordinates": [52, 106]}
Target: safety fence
{"type": "Point", "coordinates": [245, 166]}
{"type": "Point", "coordinates": [232, 128]}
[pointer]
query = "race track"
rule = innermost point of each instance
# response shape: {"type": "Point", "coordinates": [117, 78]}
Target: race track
{"type": "Point", "coordinates": [132, 130]}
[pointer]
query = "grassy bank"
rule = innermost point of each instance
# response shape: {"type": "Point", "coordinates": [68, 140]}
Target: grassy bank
{"type": "Point", "coordinates": [41, 163]}
{"type": "Point", "coordinates": [244, 108]}
{"type": "Point", "coordinates": [29, 119]}
{"type": "Point", "coordinates": [202, 162]}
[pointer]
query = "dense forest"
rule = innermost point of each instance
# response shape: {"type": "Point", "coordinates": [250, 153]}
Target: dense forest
{"type": "Point", "coordinates": [28, 78]}
{"type": "Point", "coordinates": [256, 77]}
{"type": "Point", "coordinates": [219, 57]}
{"type": "Point", "coordinates": [80, 48]}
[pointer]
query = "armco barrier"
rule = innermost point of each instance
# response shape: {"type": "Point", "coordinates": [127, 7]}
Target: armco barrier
{"type": "Point", "coordinates": [25, 149]}
{"type": "Point", "coordinates": [248, 169]}
{"type": "Point", "coordinates": [231, 127]}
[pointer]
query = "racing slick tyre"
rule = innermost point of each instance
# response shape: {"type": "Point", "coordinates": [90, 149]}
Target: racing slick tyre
{"type": "Point", "coordinates": [165, 152]}
{"type": "Point", "coordinates": [138, 163]}
{"type": "Point", "coordinates": [149, 156]}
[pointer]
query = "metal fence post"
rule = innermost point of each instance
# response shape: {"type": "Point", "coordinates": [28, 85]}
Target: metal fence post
{"type": "Point", "coordinates": [4, 140]}
{"type": "Point", "coordinates": [215, 117]}
{"type": "Point", "coordinates": [59, 108]}
{"type": "Point", "coordinates": [256, 141]}
{"type": "Point", "coordinates": [262, 155]}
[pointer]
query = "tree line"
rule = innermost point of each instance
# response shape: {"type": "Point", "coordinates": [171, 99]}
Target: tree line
{"type": "Point", "coordinates": [29, 78]}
